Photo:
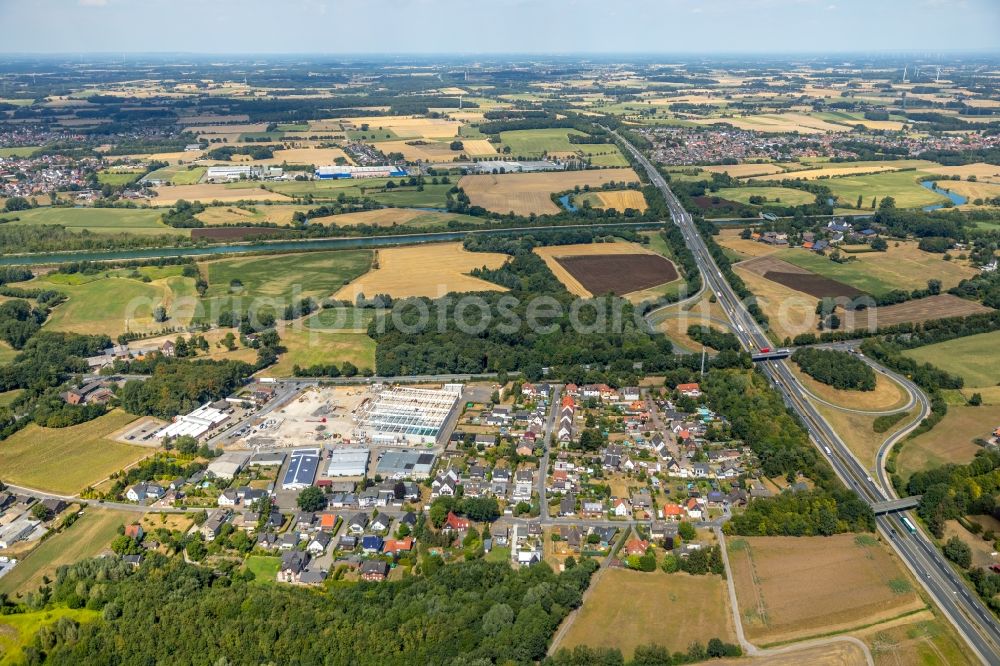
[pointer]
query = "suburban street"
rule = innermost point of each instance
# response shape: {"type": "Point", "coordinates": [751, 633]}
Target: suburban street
{"type": "Point", "coordinates": [956, 600]}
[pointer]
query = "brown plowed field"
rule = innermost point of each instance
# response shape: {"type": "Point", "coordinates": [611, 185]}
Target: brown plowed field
{"type": "Point", "coordinates": [798, 278]}
{"type": "Point", "coordinates": [619, 273]}
{"type": "Point", "coordinates": [814, 285]}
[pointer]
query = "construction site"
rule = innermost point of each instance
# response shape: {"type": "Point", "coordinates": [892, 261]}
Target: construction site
{"type": "Point", "coordinates": [351, 416]}
{"type": "Point", "coordinates": [406, 416]}
{"type": "Point", "coordinates": [316, 416]}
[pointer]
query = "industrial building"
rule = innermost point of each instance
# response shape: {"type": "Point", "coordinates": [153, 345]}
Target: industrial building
{"type": "Point", "coordinates": [348, 462]}
{"type": "Point", "coordinates": [301, 469]}
{"type": "Point", "coordinates": [228, 464]}
{"type": "Point", "coordinates": [241, 172]}
{"type": "Point", "coordinates": [195, 424]}
{"type": "Point", "coordinates": [339, 172]}
{"type": "Point", "coordinates": [405, 464]}
{"type": "Point", "coordinates": [403, 416]}
{"type": "Point", "coordinates": [522, 166]}
{"type": "Point", "coordinates": [17, 530]}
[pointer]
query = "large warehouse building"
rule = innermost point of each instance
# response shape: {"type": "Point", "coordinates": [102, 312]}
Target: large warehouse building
{"type": "Point", "coordinates": [301, 469]}
{"type": "Point", "coordinates": [348, 462]}
{"type": "Point", "coordinates": [405, 465]}
{"type": "Point", "coordinates": [403, 416]}
{"type": "Point", "coordinates": [337, 172]}
{"type": "Point", "coordinates": [196, 424]}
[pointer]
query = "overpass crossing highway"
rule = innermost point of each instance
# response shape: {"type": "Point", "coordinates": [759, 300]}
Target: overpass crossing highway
{"type": "Point", "coordinates": [890, 506]}
{"type": "Point", "coordinates": [976, 623]}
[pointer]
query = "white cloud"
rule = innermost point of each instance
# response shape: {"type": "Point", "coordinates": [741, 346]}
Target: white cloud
{"type": "Point", "coordinates": [93, 3]}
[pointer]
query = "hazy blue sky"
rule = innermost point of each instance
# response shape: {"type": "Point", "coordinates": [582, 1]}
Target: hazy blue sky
{"type": "Point", "coordinates": [492, 26]}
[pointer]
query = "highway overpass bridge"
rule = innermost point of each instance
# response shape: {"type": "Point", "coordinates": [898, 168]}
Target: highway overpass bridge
{"type": "Point", "coordinates": [896, 505]}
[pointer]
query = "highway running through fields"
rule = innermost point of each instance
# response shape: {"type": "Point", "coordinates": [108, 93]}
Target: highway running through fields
{"type": "Point", "coordinates": [958, 602]}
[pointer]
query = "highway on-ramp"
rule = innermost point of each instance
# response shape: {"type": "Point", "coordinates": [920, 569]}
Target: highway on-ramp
{"type": "Point", "coordinates": [960, 604]}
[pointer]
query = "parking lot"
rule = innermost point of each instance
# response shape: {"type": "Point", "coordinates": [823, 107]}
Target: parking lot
{"type": "Point", "coordinates": [140, 432]}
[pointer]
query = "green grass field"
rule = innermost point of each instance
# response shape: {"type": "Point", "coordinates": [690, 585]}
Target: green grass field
{"type": "Point", "coordinates": [7, 353]}
{"type": "Point", "coordinates": [117, 177]}
{"type": "Point", "coordinates": [264, 568]}
{"type": "Point", "coordinates": [178, 174]}
{"type": "Point", "coordinates": [7, 397]}
{"type": "Point", "coordinates": [903, 186]}
{"type": "Point", "coordinates": [903, 267]}
{"type": "Point", "coordinates": [784, 195]}
{"type": "Point", "coordinates": [67, 460]}
{"type": "Point", "coordinates": [87, 537]}
{"type": "Point", "coordinates": [112, 305]}
{"type": "Point", "coordinates": [18, 630]}
{"type": "Point", "coordinates": [308, 346]}
{"type": "Point", "coordinates": [950, 441]}
{"type": "Point", "coordinates": [339, 319]}
{"type": "Point", "coordinates": [20, 151]}
{"type": "Point", "coordinates": [373, 133]}
{"type": "Point", "coordinates": [280, 277]}
{"type": "Point", "coordinates": [432, 196]}
{"type": "Point", "coordinates": [319, 188]}
{"type": "Point", "coordinates": [100, 220]}
{"type": "Point", "coordinates": [533, 143]}
{"type": "Point", "coordinates": [537, 141]}
{"type": "Point", "coordinates": [974, 358]}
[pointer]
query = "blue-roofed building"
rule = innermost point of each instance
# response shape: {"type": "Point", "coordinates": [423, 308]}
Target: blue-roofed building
{"type": "Point", "coordinates": [372, 544]}
{"type": "Point", "coordinates": [301, 470]}
{"type": "Point", "coordinates": [341, 172]}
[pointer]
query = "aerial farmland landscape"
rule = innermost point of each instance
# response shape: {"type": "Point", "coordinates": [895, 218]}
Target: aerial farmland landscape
{"type": "Point", "coordinates": [522, 332]}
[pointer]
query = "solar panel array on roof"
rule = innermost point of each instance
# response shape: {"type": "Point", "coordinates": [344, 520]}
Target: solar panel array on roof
{"type": "Point", "coordinates": [301, 471]}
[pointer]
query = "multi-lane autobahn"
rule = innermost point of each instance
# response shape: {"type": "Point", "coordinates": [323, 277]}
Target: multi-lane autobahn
{"type": "Point", "coordinates": [961, 605]}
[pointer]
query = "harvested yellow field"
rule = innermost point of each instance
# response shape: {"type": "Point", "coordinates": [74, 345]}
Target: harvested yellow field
{"type": "Point", "coordinates": [730, 239]}
{"type": "Point", "coordinates": [972, 191]}
{"type": "Point", "coordinates": [424, 270]}
{"type": "Point", "coordinates": [464, 116]}
{"type": "Point", "coordinates": [278, 214]}
{"type": "Point", "coordinates": [828, 172]}
{"type": "Point", "coordinates": [475, 147]}
{"type": "Point", "coordinates": [790, 312]}
{"type": "Point", "coordinates": [213, 119]}
{"type": "Point", "coordinates": [409, 127]}
{"type": "Point", "coordinates": [437, 151]}
{"type": "Point", "coordinates": [790, 588]}
{"type": "Point", "coordinates": [314, 156]}
{"type": "Point", "coordinates": [170, 158]}
{"type": "Point", "coordinates": [744, 170]}
{"type": "Point", "coordinates": [983, 172]}
{"type": "Point", "coordinates": [620, 200]}
{"type": "Point", "coordinates": [387, 217]}
{"type": "Point", "coordinates": [168, 196]}
{"type": "Point", "coordinates": [227, 129]}
{"type": "Point", "coordinates": [527, 193]}
{"type": "Point", "coordinates": [779, 122]}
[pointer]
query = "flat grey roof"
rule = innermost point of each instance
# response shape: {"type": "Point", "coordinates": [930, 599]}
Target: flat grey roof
{"type": "Point", "coordinates": [405, 462]}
